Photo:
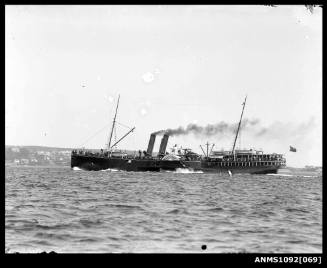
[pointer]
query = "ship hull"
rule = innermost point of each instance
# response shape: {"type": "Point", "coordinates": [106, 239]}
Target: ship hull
{"type": "Point", "coordinates": [249, 170]}
{"type": "Point", "coordinates": [135, 164]}
{"type": "Point", "coordinates": [245, 167]}
{"type": "Point", "coordinates": [100, 163]}
{"type": "Point", "coordinates": [172, 165]}
{"type": "Point", "coordinates": [156, 165]}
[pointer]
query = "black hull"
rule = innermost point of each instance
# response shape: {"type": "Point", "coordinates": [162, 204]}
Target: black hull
{"type": "Point", "coordinates": [248, 170]}
{"type": "Point", "coordinates": [156, 165]}
{"type": "Point", "coordinates": [101, 163]}
{"type": "Point", "coordinates": [235, 167]}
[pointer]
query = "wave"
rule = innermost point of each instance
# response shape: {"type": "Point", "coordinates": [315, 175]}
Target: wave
{"type": "Point", "coordinates": [292, 175]}
{"type": "Point", "coordinates": [187, 171]}
{"type": "Point", "coordinates": [297, 210]}
{"type": "Point", "coordinates": [77, 168]}
{"type": "Point", "coordinates": [281, 175]}
{"type": "Point", "coordinates": [127, 207]}
{"type": "Point", "coordinates": [90, 222]}
{"type": "Point", "coordinates": [89, 240]}
{"type": "Point", "coordinates": [177, 211]}
{"type": "Point", "coordinates": [110, 170]}
{"type": "Point", "coordinates": [44, 235]}
{"type": "Point", "coordinates": [215, 209]}
{"type": "Point", "coordinates": [56, 226]}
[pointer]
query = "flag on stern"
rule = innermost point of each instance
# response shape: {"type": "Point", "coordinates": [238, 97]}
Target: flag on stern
{"type": "Point", "coordinates": [292, 149]}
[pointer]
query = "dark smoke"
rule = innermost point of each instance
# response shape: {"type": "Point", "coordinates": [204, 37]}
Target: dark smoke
{"type": "Point", "coordinates": [209, 130]}
{"type": "Point", "coordinates": [276, 130]}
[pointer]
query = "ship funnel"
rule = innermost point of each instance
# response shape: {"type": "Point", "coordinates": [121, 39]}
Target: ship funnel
{"type": "Point", "coordinates": [163, 144]}
{"type": "Point", "coordinates": [151, 144]}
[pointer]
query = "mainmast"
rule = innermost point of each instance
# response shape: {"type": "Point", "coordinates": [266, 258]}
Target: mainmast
{"type": "Point", "coordinates": [113, 124]}
{"type": "Point", "coordinates": [239, 124]}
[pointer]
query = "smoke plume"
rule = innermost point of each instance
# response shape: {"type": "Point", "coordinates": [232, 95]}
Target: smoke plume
{"type": "Point", "coordinates": [276, 130]}
{"type": "Point", "coordinates": [209, 130]}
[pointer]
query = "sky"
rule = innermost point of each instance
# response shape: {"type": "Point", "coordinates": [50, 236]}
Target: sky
{"type": "Point", "coordinates": [171, 65]}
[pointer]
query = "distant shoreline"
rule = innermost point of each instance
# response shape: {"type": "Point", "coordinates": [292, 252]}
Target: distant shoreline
{"type": "Point", "coordinates": [46, 151]}
{"type": "Point", "coordinates": [37, 166]}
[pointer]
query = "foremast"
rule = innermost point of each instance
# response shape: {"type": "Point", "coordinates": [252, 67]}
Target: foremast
{"type": "Point", "coordinates": [113, 125]}
{"type": "Point", "coordinates": [109, 148]}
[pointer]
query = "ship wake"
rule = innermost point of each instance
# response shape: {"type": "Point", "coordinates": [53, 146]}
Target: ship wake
{"type": "Point", "coordinates": [77, 169]}
{"type": "Point", "coordinates": [110, 170]}
{"type": "Point", "coordinates": [186, 171]}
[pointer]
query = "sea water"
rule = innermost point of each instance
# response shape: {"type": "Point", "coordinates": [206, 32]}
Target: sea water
{"type": "Point", "coordinates": [65, 210]}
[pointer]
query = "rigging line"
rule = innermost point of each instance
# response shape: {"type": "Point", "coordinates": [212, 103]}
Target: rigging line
{"type": "Point", "coordinates": [111, 112]}
{"type": "Point", "coordinates": [94, 134]}
{"type": "Point", "coordinates": [115, 133]}
{"type": "Point", "coordinates": [239, 142]}
{"type": "Point", "coordinates": [123, 125]}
